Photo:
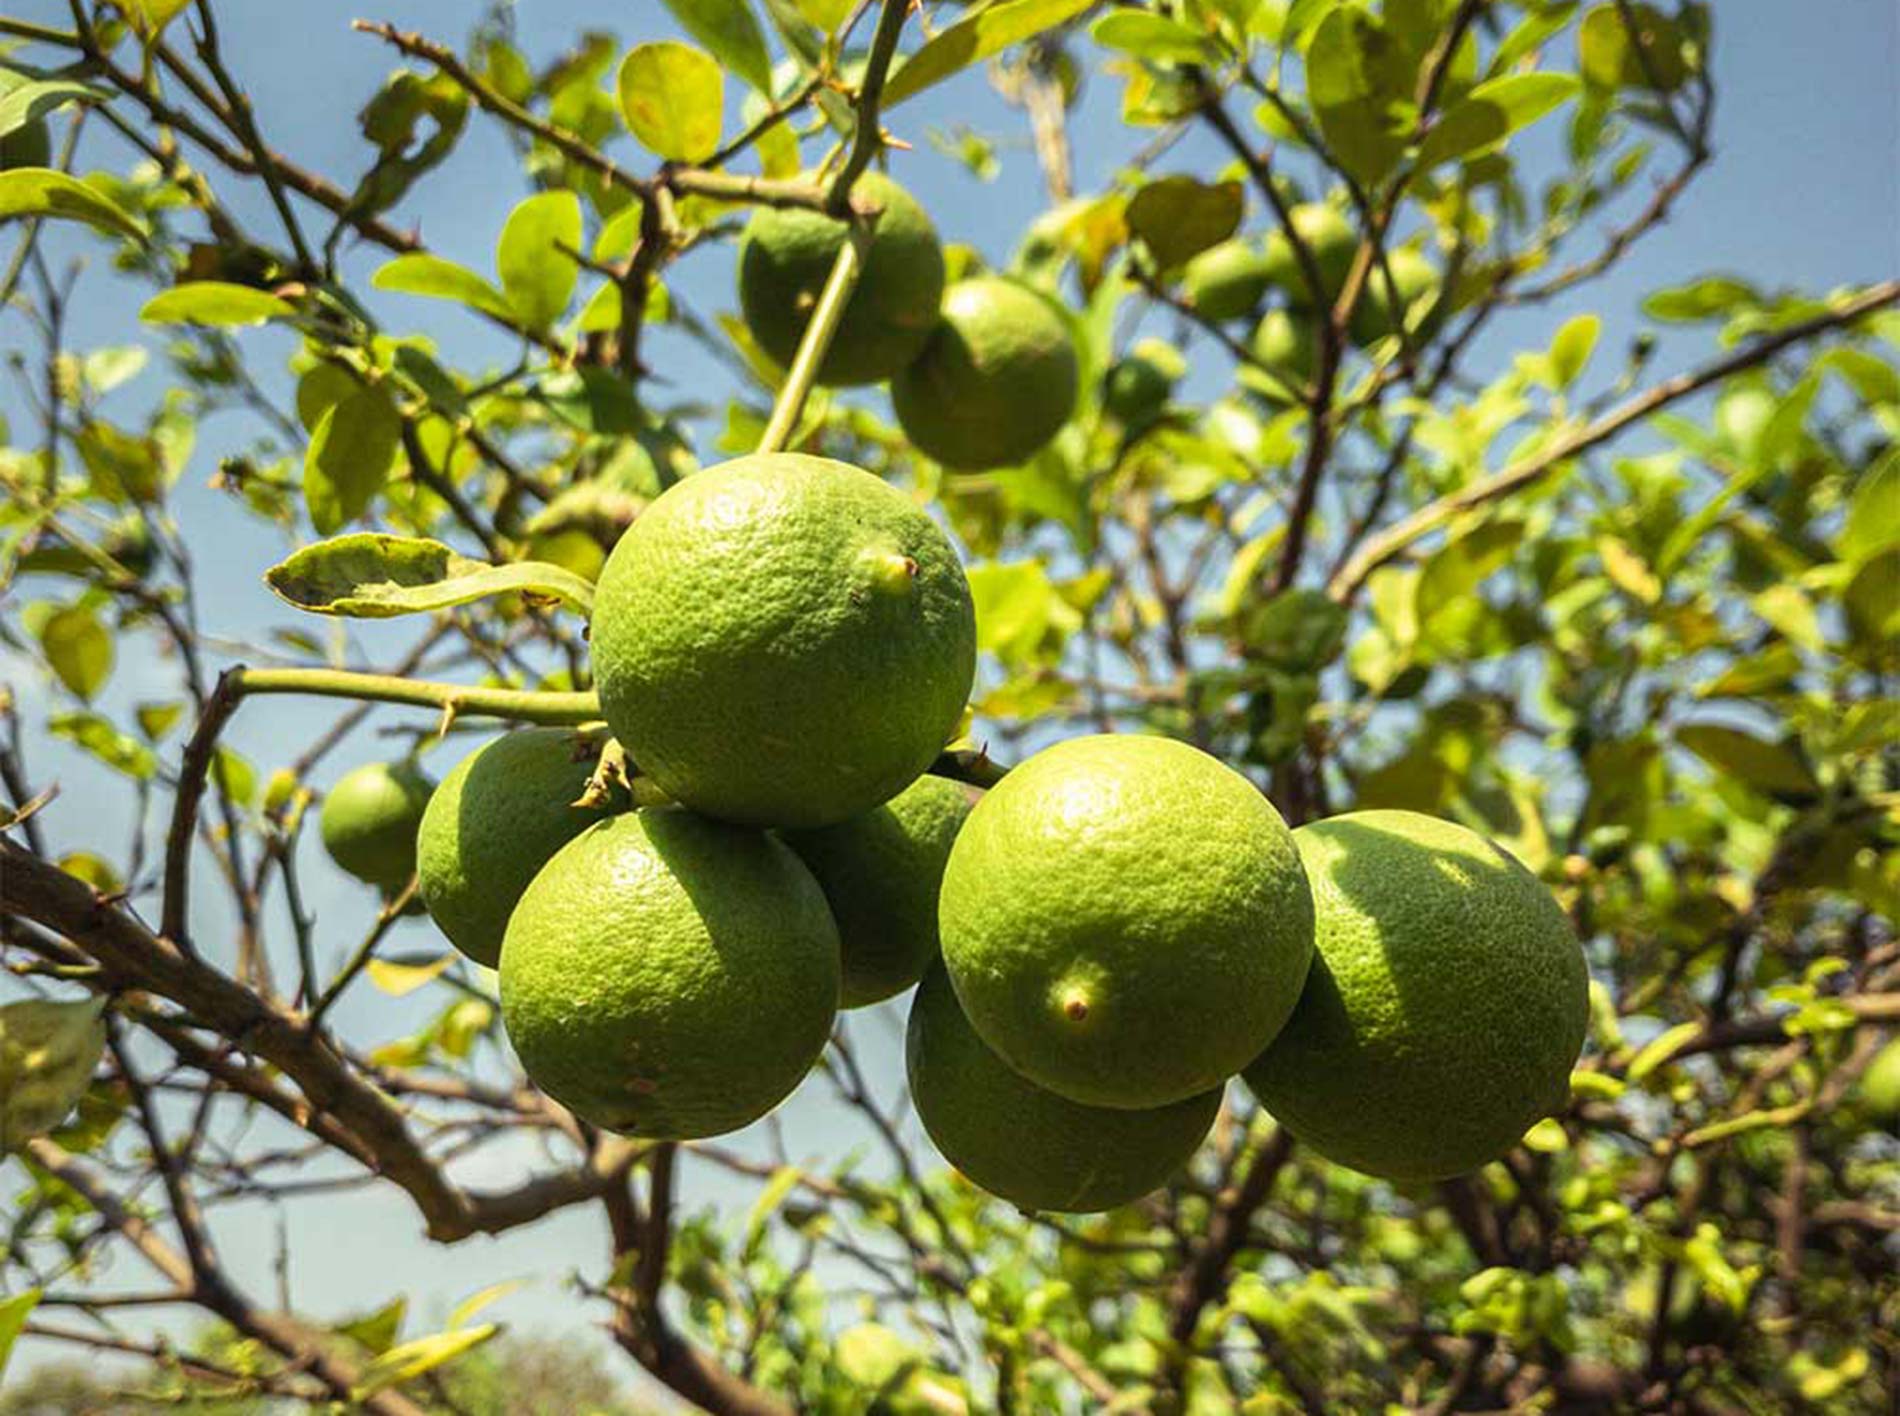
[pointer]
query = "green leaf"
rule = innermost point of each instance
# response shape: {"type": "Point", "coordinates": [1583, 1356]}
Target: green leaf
{"type": "Point", "coordinates": [672, 97]}
{"type": "Point", "coordinates": [235, 776]}
{"type": "Point", "coordinates": [14, 1312]}
{"type": "Point", "coordinates": [1570, 350]}
{"type": "Point", "coordinates": [349, 457]}
{"type": "Point", "coordinates": [48, 1052]}
{"type": "Point", "coordinates": [1660, 1049]}
{"type": "Point", "coordinates": [1357, 76]}
{"type": "Point", "coordinates": [1873, 512]}
{"type": "Point", "coordinates": [410, 1360]}
{"type": "Point", "coordinates": [1609, 58]}
{"type": "Point", "coordinates": [1705, 299]}
{"type": "Point", "coordinates": [40, 191]}
{"type": "Point", "coordinates": [215, 302]}
{"type": "Point", "coordinates": [78, 649]}
{"type": "Point", "coordinates": [377, 1331]}
{"type": "Point", "coordinates": [537, 274]}
{"type": "Point", "coordinates": [157, 719]}
{"type": "Point", "coordinates": [372, 576]}
{"type": "Point", "coordinates": [421, 274]}
{"type": "Point", "coordinates": [975, 38]}
{"type": "Point", "coordinates": [98, 737]}
{"type": "Point", "coordinates": [475, 1302]}
{"type": "Point", "coordinates": [1298, 630]}
{"type": "Point", "coordinates": [1491, 112]}
{"type": "Point", "coordinates": [730, 31]}
{"type": "Point", "coordinates": [149, 17]}
{"type": "Point", "coordinates": [784, 1180]}
{"type": "Point", "coordinates": [1776, 768]}
{"type": "Point", "coordinates": [1153, 37]}
{"type": "Point", "coordinates": [1179, 217]}
{"type": "Point", "coordinates": [40, 97]}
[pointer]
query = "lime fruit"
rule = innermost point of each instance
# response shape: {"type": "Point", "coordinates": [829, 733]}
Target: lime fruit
{"type": "Point", "coordinates": [786, 256]}
{"type": "Point", "coordinates": [1445, 1008]}
{"type": "Point", "coordinates": [1285, 343]}
{"type": "Point", "coordinates": [1332, 241]}
{"type": "Point", "coordinates": [1380, 313]}
{"type": "Point", "coordinates": [669, 976]}
{"type": "Point", "coordinates": [1135, 390]}
{"type": "Point", "coordinates": [1125, 920]}
{"type": "Point", "coordinates": [1879, 1086]}
{"type": "Point", "coordinates": [369, 822]}
{"type": "Point", "coordinates": [494, 821]}
{"type": "Point", "coordinates": [881, 871]}
{"type": "Point", "coordinates": [1228, 281]}
{"type": "Point", "coordinates": [1027, 1145]}
{"type": "Point", "coordinates": [783, 641]}
{"type": "Point", "coordinates": [997, 380]}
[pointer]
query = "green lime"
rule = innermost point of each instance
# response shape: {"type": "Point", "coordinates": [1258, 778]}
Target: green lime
{"type": "Point", "coordinates": [783, 641]}
{"type": "Point", "coordinates": [1228, 281]}
{"type": "Point", "coordinates": [881, 872]}
{"type": "Point", "coordinates": [1135, 390]}
{"type": "Point", "coordinates": [1286, 342]}
{"type": "Point", "coordinates": [369, 822]}
{"type": "Point", "coordinates": [1879, 1087]}
{"type": "Point", "coordinates": [1125, 920]}
{"type": "Point", "coordinates": [1333, 243]}
{"type": "Point", "coordinates": [493, 823]}
{"type": "Point", "coordinates": [669, 976]}
{"type": "Point", "coordinates": [1446, 1005]}
{"type": "Point", "coordinates": [1027, 1145]}
{"type": "Point", "coordinates": [997, 380]}
{"type": "Point", "coordinates": [1378, 315]}
{"type": "Point", "coordinates": [786, 256]}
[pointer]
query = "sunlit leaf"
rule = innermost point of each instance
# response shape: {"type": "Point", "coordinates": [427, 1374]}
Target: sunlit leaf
{"type": "Point", "coordinates": [421, 274]}
{"type": "Point", "coordinates": [672, 97]}
{"type": "Point", "coordinates": [977, 37]}
{"type": "Point", "coordinates": [537, 274]}
{"type": "Point", "coordinates": [215, 302]}
{"type": "Point", "coordinates": [367, 575]}
{"type": "Point", "coordinates": [398, 979]}
{"type": "Point", "coordinates": [731, 33]}
{"type": "Point", "coordinates": [40, 191]}
{"type": "Point", "coordinates": [350, 456]}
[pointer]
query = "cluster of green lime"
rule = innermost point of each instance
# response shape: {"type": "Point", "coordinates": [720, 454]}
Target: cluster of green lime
{"type": "Point", "coordinates": [982, 373]}
{"type": "Point", "coordinates": [782, 646]}
{"type": "Point", "coordinates": [1231, 281]}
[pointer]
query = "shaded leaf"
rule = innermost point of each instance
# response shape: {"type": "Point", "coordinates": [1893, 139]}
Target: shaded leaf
{"type": "Point", "coordinates": [1179, 217]}
{"type": "Point", "coordinates": [1777, 768]}
{"type": "Point", "coordinates": [672, 97]}
{"type": "Point", "coordinates": [36, 99]}
{"type": "Point", "coordinates": [48, 1051]}
{"type": "Point", "coordinates": [349, 457]}
{"type": "Point", "coordinates": [1651, 57]}
{"type": "Point", "coordinates": [975, 38]}
{"type": "Point", "coordinates": [1493, 111]}
{"type": "Point", "coordinates": [372, 576]}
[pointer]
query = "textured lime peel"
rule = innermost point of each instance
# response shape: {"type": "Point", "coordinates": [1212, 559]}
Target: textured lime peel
{"type": "Point", "coordinates": [746, 664]}
{"type": "Point", "coordinates": [1447, 1003]}
{"type": "Point", "coordinates": [1028, 1145]}
{"type": "Point", "coordinates": [1125, 921]}
{"type": "Point", "coordinates": [669, 976]}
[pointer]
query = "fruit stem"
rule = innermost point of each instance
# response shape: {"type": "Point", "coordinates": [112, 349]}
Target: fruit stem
{"type": "Point", "coordinates": [466, 701]}
{"type": "Point", "coordinates": [790, 405]}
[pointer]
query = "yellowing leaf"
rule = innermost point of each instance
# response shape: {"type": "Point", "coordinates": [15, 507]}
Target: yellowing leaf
{"type": "Point", "coordinates": [48, 1051]}
{"type": "Point", "coordinates": [472, 1305]}
{"type": "Point", "coordinates": [411, 1359]}
{"type": "Point", "coordinates": [672, 97]}
{"type": "Point", "coordinates": [397, 979]}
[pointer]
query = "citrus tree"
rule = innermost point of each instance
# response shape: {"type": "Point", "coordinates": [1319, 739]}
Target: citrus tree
{"type": "Point", "coordinates": [1229, 451]}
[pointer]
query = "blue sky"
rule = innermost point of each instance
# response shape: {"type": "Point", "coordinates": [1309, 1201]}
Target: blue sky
{"type": "Point", "coordinates": [1802, 193]}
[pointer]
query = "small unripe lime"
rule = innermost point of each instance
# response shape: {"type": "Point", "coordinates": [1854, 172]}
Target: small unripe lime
{"type": "Point", "coordinates": [1125, 920]}
{"type": "Point", "coordinates": [493, 823]}
{"type": "Point", "coordinates": [1027, 1145]}
{"type": "Point", "coordinates": [1285, 341]}
{"type": "Point", "coordinates": [1228, 281]}
{"type": "Point", "coordinates": [783, 641]}
{"type": "Point", "coordinates": [369, 822]}
{"type": "Point", "coordinates": [1379, 313]}
{"type": "Point", "coordinates": [669, 976]}
{"type": "Point", "coordinates": [1332, 241]}
{"type": "Point", "coordinates": [1445, 1008]}
{"type": "Point", "coordinates": [997, 380]}
{"type": "Point", "coordinates": [787, 254]}
{"type": "Point", "coordinates": [1879, 1087]}
{"type": "Point", "coordinates": [882, 871]}
{"type": "Point", "coordinates": [1134, 390]}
